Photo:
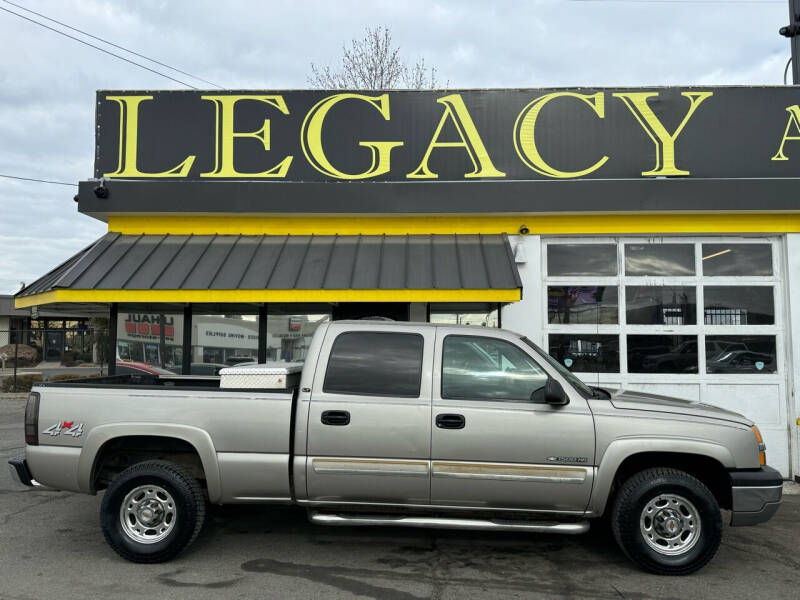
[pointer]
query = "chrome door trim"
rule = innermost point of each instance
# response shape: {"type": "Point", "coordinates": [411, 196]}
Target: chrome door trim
{"type": "Point", "coordinates": [509, 472]}
{"type": "Point", "coordinates": [370, 466]}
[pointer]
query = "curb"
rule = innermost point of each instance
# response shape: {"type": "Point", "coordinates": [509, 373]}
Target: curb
{"type": "Point", "coordinates": [790, 488]}
{"type": "Point", "coordinates": [13, 396]}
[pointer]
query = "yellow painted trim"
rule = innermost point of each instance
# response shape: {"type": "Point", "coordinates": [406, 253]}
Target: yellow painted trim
{"type": "Point", "coordinates": [199, 296]}
{"type": "Point", "coordinates": [595, 224]}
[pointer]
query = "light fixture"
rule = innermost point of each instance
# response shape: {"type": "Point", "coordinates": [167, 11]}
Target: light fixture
{"type": "Point", "coordinates": [720, 253]}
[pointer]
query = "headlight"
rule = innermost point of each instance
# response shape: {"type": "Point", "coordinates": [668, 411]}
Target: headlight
{"type": "Point", "coordinates": [762, 447]}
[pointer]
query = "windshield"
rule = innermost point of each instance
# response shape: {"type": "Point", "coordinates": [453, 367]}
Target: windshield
{"type": "Point", "coordinates": [584, 389]}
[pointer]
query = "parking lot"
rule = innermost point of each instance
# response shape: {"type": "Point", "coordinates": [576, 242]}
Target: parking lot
{"type": "Point", "coordinates": [51, 546]}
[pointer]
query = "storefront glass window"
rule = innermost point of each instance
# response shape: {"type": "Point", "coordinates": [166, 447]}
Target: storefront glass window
{"type": "Point", "coordinates": [662, 353]}
{"type": "Point", "coordinates": [739, 305]}
{"type": "Point", "coordinates": [737, 259]}
{"type": "Point", "coordinates": [572, 260]}
{"type": "Point", "coordinates": [150, 337]}
{"type": "Point", "coordinates": [660, 305]}
{"type": "Point", "coordinates": [726, 312]}
{"type": "Point", "coordinates": [586, 353]}
{"type": "Point", "coordinates": [582, 304]}
{"type": "Point", "coordinates": [740, 354]}
{"type": "Point", "coordinates": [659, 260]}
{"type": "Point", "coordinates": [288, 335]}
{"type": "Point", "coordinates": [223, 340]}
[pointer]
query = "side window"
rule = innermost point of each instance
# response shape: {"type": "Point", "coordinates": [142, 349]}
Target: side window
{"type": "Point", "coordinates": [375, 364]}
{"type": "Point", "coordinates": [482, 368]}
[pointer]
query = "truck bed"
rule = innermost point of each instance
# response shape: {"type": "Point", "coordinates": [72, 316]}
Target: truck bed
{"type": "Point", "coordinates": [242, 436]}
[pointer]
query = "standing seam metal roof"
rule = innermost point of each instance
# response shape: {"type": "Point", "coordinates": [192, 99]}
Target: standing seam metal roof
{"type": "Point", "coordinates": [282, 262]}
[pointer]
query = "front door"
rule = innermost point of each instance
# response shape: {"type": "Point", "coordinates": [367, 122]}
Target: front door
{"type": "Point", "coordinates": [54, 345]}
{"type": "Point", "coordinates": [369, 420]}
{"type": "Point", "coordinates": [495, 444]}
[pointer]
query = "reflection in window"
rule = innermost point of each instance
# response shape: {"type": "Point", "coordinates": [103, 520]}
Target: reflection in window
{"type": "Point", "coordinates": [220, 341]}
{"type": "Point", "coordinates": [152, 338]}
{"type": "Point", "coordinates": [565, 260]}
{"type": "Point", "coordinates": [289, 335]}
{"type": "Point", "coordinates": [582, 304]}
{"type": "Point", "coordinates": [659, 260]}
{"type": "Point", "coordinates": [737, 259]}
{"type": "Point", "coordinates": [739, 305]}
{"type": "Point", "coordinates": [740, 354]}
{"type": "Point", "coordinates": [481, 368]}
{"type": "Point", "coordinates": [660, 305]}
{"type": "Point", "coordinates": [662, 353]}
{"type": "Point", "coordinates": [586, 353]}
{"type": "Point", "coordinates": [483, 315]}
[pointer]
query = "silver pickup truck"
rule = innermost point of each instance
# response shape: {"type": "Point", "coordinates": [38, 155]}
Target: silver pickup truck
{"type": "Point", "coordinates": [403, 424]}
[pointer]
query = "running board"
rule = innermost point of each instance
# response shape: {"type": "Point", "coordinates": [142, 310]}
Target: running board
{"type": "Point", "coordinates": [570, 528]}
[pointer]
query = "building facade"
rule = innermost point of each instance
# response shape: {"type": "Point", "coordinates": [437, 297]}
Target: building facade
{"type": "Point", "coordinates": [647, 238]}
{"type": "Point", "coordinates": [53, 334]}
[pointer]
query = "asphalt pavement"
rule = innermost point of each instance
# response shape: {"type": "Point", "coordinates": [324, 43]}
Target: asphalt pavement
{"type": "Point", "coordinates": [51, 546]}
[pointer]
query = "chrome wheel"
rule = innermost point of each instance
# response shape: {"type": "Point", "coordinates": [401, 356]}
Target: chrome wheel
{"type": "Point", "coordinates": [670, 524]}
{"type": "Point", "coordinates": [148, 514]}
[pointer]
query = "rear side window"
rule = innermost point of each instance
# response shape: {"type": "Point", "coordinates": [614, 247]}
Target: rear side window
{"type": "Point", "coordinates": [375, 364]}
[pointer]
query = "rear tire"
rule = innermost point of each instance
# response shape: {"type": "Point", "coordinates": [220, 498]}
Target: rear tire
{"type": "Point", "coordinates": [667, 521]}
{"type": "Point", "coordinates": [152, 511]}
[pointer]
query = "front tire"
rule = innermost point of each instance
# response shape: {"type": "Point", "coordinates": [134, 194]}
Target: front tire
{"type": "Point", "coordinates": [152, 511]}
{"type": "Point", "coordinates": [667, 521]}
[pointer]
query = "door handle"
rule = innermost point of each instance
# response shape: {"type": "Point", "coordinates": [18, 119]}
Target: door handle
{"type": "Point", "coordinates": [335, 417]}
{"type": "Point", "coordinates": [450, 421]}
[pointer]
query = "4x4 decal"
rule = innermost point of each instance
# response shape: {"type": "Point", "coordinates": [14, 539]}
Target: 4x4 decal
{"type": "Point", "coordinates": [65, 427]}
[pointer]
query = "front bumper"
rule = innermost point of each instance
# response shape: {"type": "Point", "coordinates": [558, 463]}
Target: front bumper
{"type": "Point", "coordinates": [756, 495]}
{"type": "Point", "coordinates": [20, 474]}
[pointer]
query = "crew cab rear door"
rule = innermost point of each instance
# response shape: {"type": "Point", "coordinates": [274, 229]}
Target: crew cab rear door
{"type": "Point", "coordinates": [495, 444]}
{"type": "Point", "coordinates": [369, 419]}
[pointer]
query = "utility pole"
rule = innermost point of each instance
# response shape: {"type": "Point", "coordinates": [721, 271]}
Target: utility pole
{"type": "Point", "coordinates": [792, 31]}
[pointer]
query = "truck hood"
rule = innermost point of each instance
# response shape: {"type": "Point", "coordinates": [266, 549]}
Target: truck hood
{"type": "Point", "coordinates": [631, 400]}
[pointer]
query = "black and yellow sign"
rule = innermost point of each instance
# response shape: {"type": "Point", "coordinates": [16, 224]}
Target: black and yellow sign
{"type": "Point", "coordinates": [468, 135]}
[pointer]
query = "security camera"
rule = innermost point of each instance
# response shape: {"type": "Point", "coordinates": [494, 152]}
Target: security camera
{"type": "Point", "coordinates": [101, 191]}
{"type": "Point", "coordinates": [523, 230]}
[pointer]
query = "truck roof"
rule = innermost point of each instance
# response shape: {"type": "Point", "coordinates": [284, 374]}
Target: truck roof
{"type": "Point", "coordinates": [414, 324]}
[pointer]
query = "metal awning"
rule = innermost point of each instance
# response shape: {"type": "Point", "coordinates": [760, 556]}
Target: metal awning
{"type": "Point", "coordinates": [283, 268]}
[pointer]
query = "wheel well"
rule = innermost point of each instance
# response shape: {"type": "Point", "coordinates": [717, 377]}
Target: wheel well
{"type": "Point", "coordinates": [708, 470]}
{"type": "Point", "coordinates": [118, 454]}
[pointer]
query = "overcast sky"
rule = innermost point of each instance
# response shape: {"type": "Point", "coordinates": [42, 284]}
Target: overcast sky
{"type": "Point", "coordinates": [47, 82]}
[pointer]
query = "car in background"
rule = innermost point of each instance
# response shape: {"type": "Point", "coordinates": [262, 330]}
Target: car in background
{"type": "Point", "coordinates": [741, 361]}
{"type": "Point", "coordinates": [233, 361]}
{"type": "Point", "coordinates": [207, 369]}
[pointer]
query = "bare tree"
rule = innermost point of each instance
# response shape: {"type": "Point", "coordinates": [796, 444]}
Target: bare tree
{"type": "Point", "coordinates": [373, 63]}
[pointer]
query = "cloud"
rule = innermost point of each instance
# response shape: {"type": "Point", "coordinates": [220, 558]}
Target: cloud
{"type": "Point", "coordinates": [47, 82]}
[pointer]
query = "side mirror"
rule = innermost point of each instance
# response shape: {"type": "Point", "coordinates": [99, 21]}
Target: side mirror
{"type": "Point", "coordinates": [554, 393]}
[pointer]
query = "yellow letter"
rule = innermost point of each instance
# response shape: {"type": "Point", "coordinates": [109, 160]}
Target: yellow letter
{"type": "Point", "coordinates": [225, 136]}
{"type": "Point", "coordinates": [128, 141]}
{"type": "Point", "coordinates": [525, 134]}
{"type": "Point", "coordinates": [665, 143]}
{"type": "Point", "coordinates": [794, 119]}
{"type": "Point", "coordinates": [455, 109]}
{"type": "Point", "coordinates": [311, 137]}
